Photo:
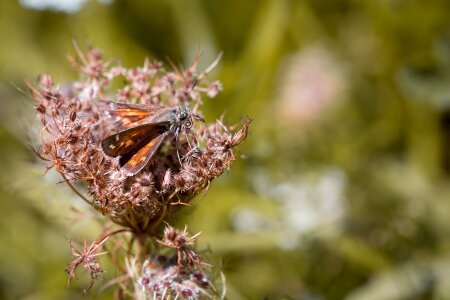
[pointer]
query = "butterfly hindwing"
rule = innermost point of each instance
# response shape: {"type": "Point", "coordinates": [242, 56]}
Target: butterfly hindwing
{"type": "Point", "coordinates": [128, 140]}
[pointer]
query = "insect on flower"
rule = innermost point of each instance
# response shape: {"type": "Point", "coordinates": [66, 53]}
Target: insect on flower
{"type": "Point", "coordinates": [142, 130]}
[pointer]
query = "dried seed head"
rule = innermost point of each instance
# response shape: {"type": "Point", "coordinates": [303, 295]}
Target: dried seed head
{"type": "Point", "coordinates": [164, 280]}
{"type": "Point", "coordinates": [75, 122]}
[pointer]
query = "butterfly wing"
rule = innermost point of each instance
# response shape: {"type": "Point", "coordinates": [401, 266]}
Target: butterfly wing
{"type": "Point", "coordinates": [129, 114]}
{"type": "Point", "coordinates": [138, 144]}
{"type": "Point", "coordinates": [143, 156]}
{"type": "Point", "coordinates": [131, 139]}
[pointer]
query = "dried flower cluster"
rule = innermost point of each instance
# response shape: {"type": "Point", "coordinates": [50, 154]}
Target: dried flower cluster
{"type": "Point", "coordinates": [162, 279]}
{"type": "Point", "coordinates": [166, 277]}
{"type": "Point", "coordinates": [75, 121]}
{"type": "Point", "coordinates": [88, 258]}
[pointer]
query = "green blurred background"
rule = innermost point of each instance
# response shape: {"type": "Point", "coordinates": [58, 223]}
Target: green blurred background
{"type": "Point", "coordinates": [342, 189]}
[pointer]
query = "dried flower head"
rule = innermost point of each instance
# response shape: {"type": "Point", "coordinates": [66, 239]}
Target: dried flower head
{"type": "Point", "coordinates": [88, 258]}
{"type": "Point", "coordinates": [180, 240]}
{"type": "Point", "coordinates": [78, 120]}
{"type": "Point", "coordinates": [75, 120]}
{"type": "Point", "coordinates": [161, 279]}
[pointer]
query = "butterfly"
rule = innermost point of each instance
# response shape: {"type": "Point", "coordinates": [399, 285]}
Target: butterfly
{"type": "Point", "coordinates": [142, 130]}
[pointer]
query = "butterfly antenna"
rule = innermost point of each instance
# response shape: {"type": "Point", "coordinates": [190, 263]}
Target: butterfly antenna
{"type": "Point", "coordinates": [189, 142]}
{"type": "Point", "coordinates": [210, 67]}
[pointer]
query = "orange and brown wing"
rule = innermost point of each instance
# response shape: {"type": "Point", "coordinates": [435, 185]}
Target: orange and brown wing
{"type": "Point", "coordinates": [143, 156]}
{"type": "Point", "coordinates": [129, 114]}
{"type": "Point", "coordinates": [131, 139]}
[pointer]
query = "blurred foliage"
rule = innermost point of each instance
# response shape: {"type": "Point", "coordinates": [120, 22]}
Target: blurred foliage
{"type": "Point", "coordinates": [343, 190]}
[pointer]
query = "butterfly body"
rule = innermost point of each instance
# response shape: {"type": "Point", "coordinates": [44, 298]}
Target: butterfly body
{"type": "Point", "coordinates": [142, 130]}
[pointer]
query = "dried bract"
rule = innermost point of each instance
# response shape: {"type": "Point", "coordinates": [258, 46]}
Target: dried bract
{"type": "Point", "coordinates": [180, 240]}
{"type": "Point", "coordinates": [88, 258]}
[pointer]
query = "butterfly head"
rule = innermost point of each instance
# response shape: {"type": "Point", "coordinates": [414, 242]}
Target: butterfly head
{"type": "Point", "coordinates": [183, 118]}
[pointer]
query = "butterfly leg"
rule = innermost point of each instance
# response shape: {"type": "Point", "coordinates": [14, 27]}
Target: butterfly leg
{"type": "Point", "coordinates": [177, 134]}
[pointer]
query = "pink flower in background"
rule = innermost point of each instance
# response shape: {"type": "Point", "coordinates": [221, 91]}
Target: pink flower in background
{"type": "Point", "coordinates": [313, 80]}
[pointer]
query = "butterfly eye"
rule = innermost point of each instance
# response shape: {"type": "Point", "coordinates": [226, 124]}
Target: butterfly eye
{"type": "Point", "coordinates": [183, 116]}
{"type": "Point", "coordinates": [183, 113]}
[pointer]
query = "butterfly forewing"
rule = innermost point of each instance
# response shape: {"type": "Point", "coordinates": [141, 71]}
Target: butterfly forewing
{"type": "Point", "coordinates": [130, 114]}
{"type": "Point", "coordinates": [139, 160]}
{"type": "Point", "coordinates": [127, 141]}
